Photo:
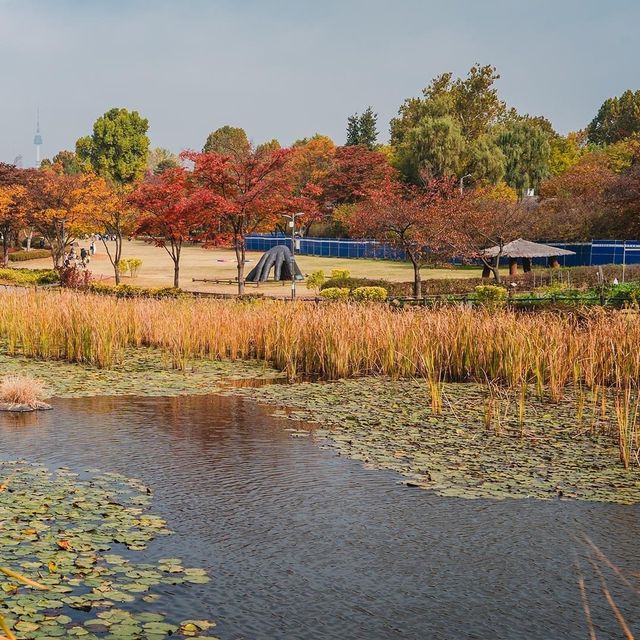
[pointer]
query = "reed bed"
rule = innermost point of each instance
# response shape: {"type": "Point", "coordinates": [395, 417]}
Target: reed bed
{"type": "Point", "coordinates": [547, 350]}
{"type": "Point", "coordinates": [596, 353]}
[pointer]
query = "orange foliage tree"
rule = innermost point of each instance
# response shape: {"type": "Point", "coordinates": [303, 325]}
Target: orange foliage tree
{"type": "Point", "coordinates": [62, 208]}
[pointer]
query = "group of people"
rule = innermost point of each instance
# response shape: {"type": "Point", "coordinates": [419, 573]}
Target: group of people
{"type": "Point", "coordinates": [82, 259]}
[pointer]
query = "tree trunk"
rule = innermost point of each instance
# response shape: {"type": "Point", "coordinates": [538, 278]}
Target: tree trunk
{"type": "Point", "coordinates": [417, 279]}
{"type": "Point", "coordinates": [29, 238]}
{"type": "Point", "coordinates": [496, 270]}
{"type": "Point", "coordinates": [117, 256]}
{"type": "Point", "coordinates": [176, 266]}
{"type": "Point", "coordinates": [240, 257]}
{"type": "Point", "coordinates": [5, 251]}
{"type": "Point", "coordinates": [513, 266]}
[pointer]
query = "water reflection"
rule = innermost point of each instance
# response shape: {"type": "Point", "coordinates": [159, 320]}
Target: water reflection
{"type": "Point", "coordinates": [304, 544]}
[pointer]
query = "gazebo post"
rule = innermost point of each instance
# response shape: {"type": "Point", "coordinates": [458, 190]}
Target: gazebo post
{"type": "Point", "coordinates": [553, 262]}
{"type": "Point", "coordinates": [513, 266]}
{"type": "Point", "coordinates": [526, 265]}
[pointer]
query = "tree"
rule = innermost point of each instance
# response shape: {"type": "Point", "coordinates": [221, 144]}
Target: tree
{"type": "Point", "coordinates": [363, 129]}
{"type": "Point", "coordinates": [410, 218]}
{"type": "Point", "coordinates": [355, 172]}
{"type": "Point", "coordinates": [434, 146]}
{"type": "Point", "coordinates": [12, 206]}
{"type": "Point", "coordinates": [526, 150]}
{"type": "Point", "coordinates": [484, 161]}
{"type": "Point", "coordinates": [118, 152]}
{"type": "Point", "coordinates": [564, 152]}
{"type": "Point", "coordinates": [61, 208]}
{"type": "Point", "coordinates": [574, 204]}
{"type": "Point", "coordinates": [160, 159]}
{"type": "Point", "coordinates": [307, 170]}
{"type": "Point", "coordinates": [171, 213]}
{"type": "Point", "coordinates": [67, 161]}
{"type": "Point", "coordinates": [472, 102]}
{"type": "Point", "coordinates": [486, 218]}
{"type": "Point", "coordinates": [623, 199]}
{"type": "Point", "coordinates": [243, 193]}
{"type": "Point", "coordinates": [617, 119]}
{"type": "Point", "coordinates": [228, 140]}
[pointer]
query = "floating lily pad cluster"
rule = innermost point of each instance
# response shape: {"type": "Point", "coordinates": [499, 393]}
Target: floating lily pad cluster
{"type": "Point", "coordinates": [390, 425]}
{"type": "Point", "coordinates": [144, 372]}
{"type": "Point", "coordinates": [64, 533]}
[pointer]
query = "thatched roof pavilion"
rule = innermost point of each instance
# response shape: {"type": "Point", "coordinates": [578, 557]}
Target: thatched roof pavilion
{"type": "Point", "coordinates": [526, 250]}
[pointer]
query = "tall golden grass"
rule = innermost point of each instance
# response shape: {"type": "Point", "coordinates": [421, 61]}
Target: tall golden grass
{"type": "Point", "coordinates": [547, 350]}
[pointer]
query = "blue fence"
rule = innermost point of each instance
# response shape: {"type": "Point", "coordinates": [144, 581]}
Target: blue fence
{"type": "Point", "coordinates": [593, 253]}
{"type": "Point", "coordinates": [328, 247]}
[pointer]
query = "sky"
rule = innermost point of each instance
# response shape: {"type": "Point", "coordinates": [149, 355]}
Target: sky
{"type": "Point", "coordinates": [287, 69]}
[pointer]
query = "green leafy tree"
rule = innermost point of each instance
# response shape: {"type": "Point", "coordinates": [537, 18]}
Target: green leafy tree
{"type": "Point", "coordinates": [116, 151]}
{"type": "Point", "coordinates": [618, 118]}
{"type": "Point", "coordinates": [160, 159]}
{"type": "Point", "coordinates": [363, 129]}
{"type": "Point", "coordinates": [473, 102]}
{"type": "Point", "coordinates": [228, 141]}
{"type": "Point", "coordinates": [434, 146]}
{"type": "Point", "coordinates": [527, 152]}
{"type": "Point", "coordinates": [67, 160]}
{"type": "Point", "coordinates": [564, 152]}
{"type": "Point", "coordinates": [484, 161]}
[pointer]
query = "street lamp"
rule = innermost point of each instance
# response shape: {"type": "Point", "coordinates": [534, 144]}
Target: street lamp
{"type": "Point", "coordinates": [292, 224]}
{"type": "Point", "coordinates": [462, 182]}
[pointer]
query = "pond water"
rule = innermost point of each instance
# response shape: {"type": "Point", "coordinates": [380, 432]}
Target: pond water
{"type": "Point", "coordinates": [303, 544]}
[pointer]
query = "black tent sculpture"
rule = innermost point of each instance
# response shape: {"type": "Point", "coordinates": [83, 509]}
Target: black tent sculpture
{"type": "Point", "coordinates": [279, 258]}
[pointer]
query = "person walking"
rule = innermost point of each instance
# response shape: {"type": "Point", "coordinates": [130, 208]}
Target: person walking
{"type": "Point", "coordinates": [92, 248]}
{"type": "Point", "coordinates": [84, 254]}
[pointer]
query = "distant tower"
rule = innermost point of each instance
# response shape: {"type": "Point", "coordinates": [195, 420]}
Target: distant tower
{"type": "Point", "coordinates": [37, 139]}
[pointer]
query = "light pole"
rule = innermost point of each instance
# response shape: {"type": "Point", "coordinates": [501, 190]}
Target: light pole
{"type": "Point", "coordinates": [462, 182]}
{"type": "Point", "coordinates": [292, 224]}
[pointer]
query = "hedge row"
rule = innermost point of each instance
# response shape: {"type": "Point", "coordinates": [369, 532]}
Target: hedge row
{"type": "Point", "coordinates": [34, 254]}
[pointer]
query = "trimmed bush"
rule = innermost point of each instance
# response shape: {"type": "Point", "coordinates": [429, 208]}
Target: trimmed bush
{"type": "Point", "coordinates": [129, 291]}
{"type": "Point", "coordinates": [29, 276]}
{"type": "Point", "coordinates": [491, 296]}
{"type": "Point", "coordinates": [340, 274]}
{"type": "Point", "coordinates": [399, 289]}
{"type": "Point", "coordinates": [34, 254]}
{"type": "Point", "coordinates": [369, 294]}
{"type": "Point", "coordinates": [335, 293]}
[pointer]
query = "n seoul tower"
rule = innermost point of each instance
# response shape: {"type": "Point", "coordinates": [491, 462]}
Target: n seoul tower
{"type": "Point", "coordinates": [37, 139]}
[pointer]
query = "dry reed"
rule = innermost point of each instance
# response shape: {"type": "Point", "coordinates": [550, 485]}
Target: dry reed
{"type": "Point", "coordinates": [16, 390]}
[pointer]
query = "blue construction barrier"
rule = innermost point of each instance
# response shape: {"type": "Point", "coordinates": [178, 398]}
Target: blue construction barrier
{"type": "Point", "coordinates": [594, 253]}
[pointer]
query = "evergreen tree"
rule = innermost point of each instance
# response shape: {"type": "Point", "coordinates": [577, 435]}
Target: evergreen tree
{"type": "Point", "coordinates": [353, 130]}
{"type": "Point", "coordinates": [363, 129]}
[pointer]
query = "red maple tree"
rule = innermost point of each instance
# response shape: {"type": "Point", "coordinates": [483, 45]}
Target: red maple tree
{"type": "Point", "coordinates": [411, 218]}
{"type": "Point", "coordinates": [172, 212]}
{"type": "Point", "coordinates": [242, 194]}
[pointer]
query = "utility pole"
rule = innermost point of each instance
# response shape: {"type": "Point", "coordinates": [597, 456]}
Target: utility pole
{"type": "Point", "coordinates": [292, 225]}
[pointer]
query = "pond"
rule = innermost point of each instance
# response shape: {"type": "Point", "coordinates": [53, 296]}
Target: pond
{"type": "Point", "coordinates": [301, 543]}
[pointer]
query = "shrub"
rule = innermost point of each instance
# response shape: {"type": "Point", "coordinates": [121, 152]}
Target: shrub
{"type": "Point", "coordinates": [21, 390]}
{"type": "Point", "coordinates": [627, 294]}
{"type": "Point", "coordinates": [340, 274]}
{"type": "Point", "coordinates": [400, 289]}
{"type": "Point", "coordinates": [491, 296]}
{"type": "Point", "coordinates": [75, 277]}
{"type": "Point", "coordinates": [316, 280]}
{"type": "Point", "coordinates": [335, 293]}
{"type": "Point", "coordinates": [369, 294]}
{"type": "Point", "coordinates": [134, 265]}
{"type": "Point", "coordinates": [130, 291]}
{"type": "Point", "coordinates": [34, 254]}
{"type": "Point", "coordinates": [29, 276]}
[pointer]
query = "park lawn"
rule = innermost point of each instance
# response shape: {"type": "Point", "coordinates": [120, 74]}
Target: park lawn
{"type": "Point", "coordinates": [216, 263]}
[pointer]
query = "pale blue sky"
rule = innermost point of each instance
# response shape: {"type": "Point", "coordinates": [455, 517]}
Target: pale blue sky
{"type": "Point", "coordinates": [289, 68]}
